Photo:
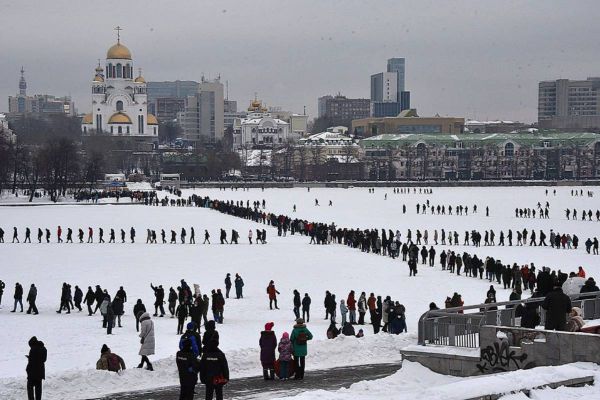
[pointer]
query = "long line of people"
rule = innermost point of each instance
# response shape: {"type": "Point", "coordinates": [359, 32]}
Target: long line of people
{"type": "Point", "coordinates": [45, 236]}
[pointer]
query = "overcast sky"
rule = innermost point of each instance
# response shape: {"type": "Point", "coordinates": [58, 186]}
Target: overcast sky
{"type": "Point", "coordinates": [477, 59]}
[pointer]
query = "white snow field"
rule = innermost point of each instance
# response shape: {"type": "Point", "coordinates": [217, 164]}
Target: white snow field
{"type": "Point", "coordinates": [416, 382]}
{"type": "Point", "coordinates": [74, 340]}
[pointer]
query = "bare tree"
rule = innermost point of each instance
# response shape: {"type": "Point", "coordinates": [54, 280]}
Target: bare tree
{"type": "Point", "coordinates": [348, 156]}
{"type": "Point", "coordinates": [302, 158]}
{"type": "Point", "coordinates": [317, 152]}
{"type": "Point", "coordinates": [30, 170]}
{"type": "Point", "coordinates": [93, 169]}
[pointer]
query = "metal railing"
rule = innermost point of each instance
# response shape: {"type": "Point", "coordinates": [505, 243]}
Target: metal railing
{"type": "Point", "coordinates": [459, 326]}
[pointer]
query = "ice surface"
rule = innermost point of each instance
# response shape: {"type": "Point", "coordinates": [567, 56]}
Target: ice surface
{"type": "Point", "coordinates": [74, 340]}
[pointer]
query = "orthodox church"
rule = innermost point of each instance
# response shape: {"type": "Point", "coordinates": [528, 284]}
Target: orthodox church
{"type": "Point", "coordinates": [119, 100]}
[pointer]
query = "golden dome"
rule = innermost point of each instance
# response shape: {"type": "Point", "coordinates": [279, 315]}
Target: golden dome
{"type": "Point", "coordinates": [87, 119]}
{"type": "Point", "coordinates": [118, 51]}
{"type": "Point", "coordinates": [152, 119]}
{"type": "Point", "coordinates": [98, 78]}
{"type": "Point", "coordinates": [119, 118]}
{"type": "Point", "coordinates": [139, 79]}
{"type": "Point", "coordinates": [255, 105]}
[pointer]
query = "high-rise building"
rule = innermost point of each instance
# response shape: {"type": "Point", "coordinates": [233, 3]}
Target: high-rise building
{"type": "Point", "coordinates": [398, 66]}
{"type": "Point", "coordinates": [569, 105]}
{"type": "Point", "coordinates": [203, 118]}
{"type": "Point", "coordinates": [167, 99]}
{"type": "Point", "coordinates": [388, 95]}
{"type": "Point", "coordinates": [231, 113]}
{"type": "Point", "coordinates": [384, 87]}
{"type": "Point", "coordinates": [340, 108]}
{"type": "Point", "coordinates": [40, 104]}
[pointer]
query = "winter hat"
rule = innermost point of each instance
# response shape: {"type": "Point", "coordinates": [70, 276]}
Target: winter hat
{"type": "Point", "coordinates": [285, 335]}
{"type": "Point", "coordinates": [210, 325]}
{"type": "Point", "coordinates": [269, 326]}
{"type": "Point", "coordinates": [300, 321]}
{"type": "Point", "coordinates": [104, 349]}
{"type": "Point", "coordinates": [191, 326]}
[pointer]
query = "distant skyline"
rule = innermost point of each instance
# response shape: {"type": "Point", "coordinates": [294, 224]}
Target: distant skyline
{"type": "Point", "coordinates": [480, 60]}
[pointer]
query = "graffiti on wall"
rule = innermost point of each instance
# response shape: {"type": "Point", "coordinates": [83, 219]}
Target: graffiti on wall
{"type": "Point", "coordinates": [500, 358]}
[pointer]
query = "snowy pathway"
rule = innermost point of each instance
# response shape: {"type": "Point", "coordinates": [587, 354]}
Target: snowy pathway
{"type": "Point", "coordinates": [257, 388]}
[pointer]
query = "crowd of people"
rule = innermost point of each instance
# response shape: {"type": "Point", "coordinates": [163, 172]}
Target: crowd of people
{"type": "Point", "coordinates": [441, 210]}
{"type": "Point", "coordinates": [572, 214]}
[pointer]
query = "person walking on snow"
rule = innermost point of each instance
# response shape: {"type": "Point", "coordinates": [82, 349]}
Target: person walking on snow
{"type": "Point", "coordinates": [285, 356]}
{"type": "Point", "coordinates": [239, 285]}
{"type": "Point", "coordinates": [18, 296]}
{"type": "Point", "coordinates": [297, 303]}
{"type": "Point", "coordinates": [343, 311]}
{"type": "Point", "coordinates": [306, 307]}
{"type": "Point", "coordinates": [147, 340]}
{"type": "Point", "coordinates": [31, 298]}
{"type": "Point", "coordinates": [268, 344]}
{"type": "Point", "coordinates": [299, 338]}
{"type": "Point", "coordinates": [214, 370]}
{"type": "Point", "coordinates": [36, 370]}
{"type": "Point", "coordinates": [159, 295]}
{"type": "Point", "coordinates": [188, 367]}
{"type": "Point", "coordinates": [272, 292]}
{"type": "Point", "coordinates": [138, 309]}
{"type": "Point", "coordinates": [227, 285]}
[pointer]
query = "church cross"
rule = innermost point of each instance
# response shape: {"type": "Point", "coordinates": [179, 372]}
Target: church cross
{"type": "Point", "coordinates": [118, 29]}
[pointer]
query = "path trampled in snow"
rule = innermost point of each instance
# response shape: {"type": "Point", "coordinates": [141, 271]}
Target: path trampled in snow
{"type": "Point", "coordinates": [258, 388]}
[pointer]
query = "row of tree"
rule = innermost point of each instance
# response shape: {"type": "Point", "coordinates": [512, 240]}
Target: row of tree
{"type": "Point", "coordinates": [56, 167]}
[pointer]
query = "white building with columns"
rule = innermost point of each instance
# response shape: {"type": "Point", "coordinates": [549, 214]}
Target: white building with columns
{"type": "Point", "coordinates": [259, 128]}
{"type": "Point", "coordinates": [119, 100]}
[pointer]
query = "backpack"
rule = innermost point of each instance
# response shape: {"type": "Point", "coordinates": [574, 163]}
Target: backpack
{"type": "Point", "coordinates": [302, 338]}
{"type": "Point", "coordinates": [113, 362]}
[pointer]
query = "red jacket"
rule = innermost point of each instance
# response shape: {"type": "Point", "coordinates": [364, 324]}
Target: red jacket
{"type": "Point", "coordinates": [372, 303]}
{"type": "Point", "coordinates": [351, 303]}
{"type": "Point", "coordinates": [272, 292]}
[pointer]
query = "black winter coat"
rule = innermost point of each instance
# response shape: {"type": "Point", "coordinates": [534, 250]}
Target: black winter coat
{"type": "Point", "coordinates": [36, 369]}
{"type": "Point", "coordinates": [117, 306]}
{"type": "Point", "coordinates": [212, 364]}
{"type": "Point", "coordinates": [188, 368]}
{"type": "Point", "coordinates": [90, 297]}
{"type": "Point", "coordinates": [557, 306]}
{"type": "Point", "coordinates": [210, 334]}
{"type": "Point", "coordinates": [268, 344]}
{"type": "Point", "coordinates": [306, 303]}
{"type": "Point", "coordinates": [138, 308]}
{"type": "Point", "coordinates": [529, 316]}
{"type": "Point", "coordinates": [18, 292]}
{"type": "Point", "coordinates": [589, 287]}
{"type": "Point", "coordinates": [77, 296]}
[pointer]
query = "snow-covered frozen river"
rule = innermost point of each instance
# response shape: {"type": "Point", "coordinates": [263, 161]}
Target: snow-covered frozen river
{"type": "Point", "coordinates": [74, 341]}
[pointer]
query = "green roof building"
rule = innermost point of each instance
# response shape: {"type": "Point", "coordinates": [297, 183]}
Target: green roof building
{"type": "Point", "coordinates": [547, 155]}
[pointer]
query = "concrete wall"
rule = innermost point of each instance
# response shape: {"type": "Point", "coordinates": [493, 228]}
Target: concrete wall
{"type": "Point", "coordinates": [509, 349]}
